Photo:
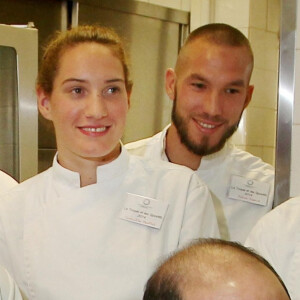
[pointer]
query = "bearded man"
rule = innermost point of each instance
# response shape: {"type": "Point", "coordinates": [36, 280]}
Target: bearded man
{"type": "Point", "coordinates": [210, 88]}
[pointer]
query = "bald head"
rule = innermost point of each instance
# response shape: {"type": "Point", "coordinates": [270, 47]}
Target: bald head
{"type": "Point", "coordinates": [217, 35]}
{"type": "Point", "coordinates": [215, 269]}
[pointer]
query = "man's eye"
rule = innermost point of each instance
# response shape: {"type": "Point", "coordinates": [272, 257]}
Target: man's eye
{"type": "Point", "coordinates": [232, 91]}
{"type": "Point", "coordinates": [198, 85]}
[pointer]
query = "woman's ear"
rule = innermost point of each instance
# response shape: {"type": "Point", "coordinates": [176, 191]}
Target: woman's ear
{"type": "Point", "coordinates": [129, 96]}
{"type": "Point", "coordinates": [44, 103]}
{"type": "Point", "coordinates": [170, 80]}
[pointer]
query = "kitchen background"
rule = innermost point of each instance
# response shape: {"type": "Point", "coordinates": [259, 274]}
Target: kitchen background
{"type": "Point", "coordinates": [154, 31]}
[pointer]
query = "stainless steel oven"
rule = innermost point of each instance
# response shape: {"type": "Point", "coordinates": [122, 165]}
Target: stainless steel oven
{"type": "Point", "coordinates": [18, 109]}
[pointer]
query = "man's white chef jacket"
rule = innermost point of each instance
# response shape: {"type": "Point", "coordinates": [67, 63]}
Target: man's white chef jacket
{"type": "Point", "coordinates": [220, 171]}
{"type": "Point", "coordinates": [276, 237]}
{"type": "Point", "coordinates": [8, 287]}
{"type": "Point", "coordinates": [60, 241]}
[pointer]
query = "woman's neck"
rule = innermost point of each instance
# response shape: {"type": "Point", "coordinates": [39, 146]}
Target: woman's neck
{"type": "Point", "coordinates": [86, 166]}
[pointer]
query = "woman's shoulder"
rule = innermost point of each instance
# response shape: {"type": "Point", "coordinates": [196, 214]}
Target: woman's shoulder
{"type": "Point", "coordinates": [25, 189]}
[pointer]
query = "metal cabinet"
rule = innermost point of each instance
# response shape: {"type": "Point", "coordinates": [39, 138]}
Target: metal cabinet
{"type": "Point", "coordinates": [18, 109]}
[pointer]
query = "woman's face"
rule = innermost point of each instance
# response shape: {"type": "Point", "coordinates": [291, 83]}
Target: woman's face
{"type": "Point", "coordinates": [88, 105]}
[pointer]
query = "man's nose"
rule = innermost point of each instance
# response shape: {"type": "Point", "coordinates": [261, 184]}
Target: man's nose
{"type": "Point", "coordinates": [212, 104]}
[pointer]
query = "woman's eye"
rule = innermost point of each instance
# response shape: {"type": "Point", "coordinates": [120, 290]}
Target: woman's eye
{"type": "Point", "coordinates": [112, 90]}
{"type": "Point", "coordinates": [77, 90]}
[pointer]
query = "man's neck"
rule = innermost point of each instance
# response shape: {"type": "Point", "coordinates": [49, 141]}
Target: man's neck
{"type": "Point", "coordinates": [177, 152]}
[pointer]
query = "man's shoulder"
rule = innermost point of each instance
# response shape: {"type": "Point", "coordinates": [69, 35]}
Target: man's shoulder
{"type": "Point", "coordinates": [249, 161]}
{"type": "Point", "coordinates": [140, 147]}
{"type": "Point", "coordinates": [234, 161]}
{"type": "Point", "coordinates": [284, 218]}
{"type": "Point", "coordinates": [289, 210]}
{"type": "Point", "coordinates": [165, 173]}
{"type": "Point", "coordinates": [152, 165]}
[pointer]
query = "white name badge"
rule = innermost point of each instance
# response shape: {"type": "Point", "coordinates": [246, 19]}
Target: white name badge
{"type": "Point", "coordinates": [143, 210]}
{"type": "Point", "coordinates": [248, 190]}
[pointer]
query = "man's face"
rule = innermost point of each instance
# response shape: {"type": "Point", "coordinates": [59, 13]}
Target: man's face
{"type": "Point", "coordinates": [210, 89]}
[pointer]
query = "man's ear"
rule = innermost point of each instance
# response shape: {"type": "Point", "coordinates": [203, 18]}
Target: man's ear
{"type": "Point", "coordinates": [44, 103]}
{"type": "Point", "coordinates": [170, 83]}
{"type": "Point", "coordinates": [249, 95]}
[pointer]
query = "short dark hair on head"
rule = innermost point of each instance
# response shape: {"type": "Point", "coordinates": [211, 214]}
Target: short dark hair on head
{"type": "Point", "coordinates": [165, 290]}
{"type": "Point", "coordinates": [220, 33]}
{"type": "Point", "coordinates": [164, 283]}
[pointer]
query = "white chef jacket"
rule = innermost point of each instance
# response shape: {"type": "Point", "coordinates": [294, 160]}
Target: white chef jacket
{"type": "Point", "coordinates": [8, 287]}
{"type": "Point", "coordinates": [276, 237]}
{"type": "Point", "coordinates": [62, 242]}
{"type": "Point", "coordinates": [235, 217]}
{"type": "Point", "coordinates": [6, 182]}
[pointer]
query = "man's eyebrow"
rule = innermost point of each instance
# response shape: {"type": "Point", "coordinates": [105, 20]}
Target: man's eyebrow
{"type": "Point", "coordinates": [239, 82]}
{"type": "Point", "coordinates": [197, 77]}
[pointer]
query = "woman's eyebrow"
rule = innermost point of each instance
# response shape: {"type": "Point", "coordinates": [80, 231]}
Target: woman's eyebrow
{"type": "Point", "coordinates": [114, 80]}
{"type": "Point", "coordinates": [83, 80]}
{"type": "Point", "coordinates": [73, 79]}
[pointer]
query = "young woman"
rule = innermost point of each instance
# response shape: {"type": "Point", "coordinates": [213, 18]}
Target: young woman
{"type": "Point", "coordinates": [94, 225]}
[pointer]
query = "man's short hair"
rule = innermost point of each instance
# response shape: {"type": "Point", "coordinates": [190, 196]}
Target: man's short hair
{"type": "Point", "coordinates": [165, 283]}
{"type": "Point", "coordinates": [220, 34]}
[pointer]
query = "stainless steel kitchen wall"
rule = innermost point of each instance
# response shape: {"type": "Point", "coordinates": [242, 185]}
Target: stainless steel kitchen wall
{"type": "Point", "coordinates": [18, 110]}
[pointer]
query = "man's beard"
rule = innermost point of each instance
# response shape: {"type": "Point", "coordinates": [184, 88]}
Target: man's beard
{"type": "Point", "coordinates": [201, 147]}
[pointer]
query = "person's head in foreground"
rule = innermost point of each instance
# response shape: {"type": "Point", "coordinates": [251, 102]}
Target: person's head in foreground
{"type": "Point", "coordinates": [214, 269]}
{"type": "Point", "coordinates": [83, 87]}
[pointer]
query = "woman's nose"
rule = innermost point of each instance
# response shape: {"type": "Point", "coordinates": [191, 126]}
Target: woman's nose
{"type": "Point", "coordinates": [96, 107]}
